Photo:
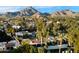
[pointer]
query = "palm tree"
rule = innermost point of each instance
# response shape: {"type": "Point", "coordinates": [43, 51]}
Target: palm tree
{"type": "Point", "coordinates": [60, 37]}
{"type": "Point", "coordinates": [41, 33]}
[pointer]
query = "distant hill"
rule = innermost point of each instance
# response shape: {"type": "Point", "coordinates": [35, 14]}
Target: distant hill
{"type": "Point", "coordinates": [67, 12]}
{"type": "Point", "coordinates": [25, 12]}
{"type": "Point", "coordinates": [30, 11]}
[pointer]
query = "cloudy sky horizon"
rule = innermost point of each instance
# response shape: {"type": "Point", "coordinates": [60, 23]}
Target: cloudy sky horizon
{"type": "Point", "coordinates": [47, 9]}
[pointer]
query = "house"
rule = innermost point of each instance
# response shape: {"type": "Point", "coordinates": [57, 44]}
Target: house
{"type": "Point", "coordinates": [55, 49]}
{"type": "Point", "coordinates": [16, 26]}
{"type": "Point", "coordinates": [35, 42]}
{"type": "Point", "coordinates": [2, 46]}
{"type": "Point", "coordinates": [14, 43]}
{"type": "Point", "coordinates": [25, 34]}
{"type": "Point", "coordinates": [51, 38]}
{"type": "Point", "coordinates": [11, 45]}
{"type": "Point", "coordinates": [21, 33]}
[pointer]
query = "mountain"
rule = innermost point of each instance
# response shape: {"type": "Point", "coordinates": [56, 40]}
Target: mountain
{"type": "Point", "coordinates": [30, 11]}
{"type": "Point", "coordinates": [37, 15]}
{"type": "Point", "coordinates": [25, 12]}
{"type": "Point", "coordinates": [64, 13]}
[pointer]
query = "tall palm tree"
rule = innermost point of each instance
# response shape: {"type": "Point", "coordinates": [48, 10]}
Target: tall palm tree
{"type": "Point", "coordinates": [60, 41]}
{"type": "Point", "coordinates": [41, 32]}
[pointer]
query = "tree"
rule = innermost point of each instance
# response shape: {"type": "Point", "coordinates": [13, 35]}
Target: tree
{"type": "Point", "coordinates": [25, 48]}
{"type": "Point", "coordinates": [41, 32]}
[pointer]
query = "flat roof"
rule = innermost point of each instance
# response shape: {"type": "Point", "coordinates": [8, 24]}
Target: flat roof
{"type": "Point", "coordinates": [57, 46]}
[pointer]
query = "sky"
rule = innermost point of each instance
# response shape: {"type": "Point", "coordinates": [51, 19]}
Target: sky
{"type": "Point", "coordinates": [47, 9]}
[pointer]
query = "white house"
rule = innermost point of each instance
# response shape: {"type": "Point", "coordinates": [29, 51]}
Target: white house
{"type": "Point", "coordinates": [16, 26]}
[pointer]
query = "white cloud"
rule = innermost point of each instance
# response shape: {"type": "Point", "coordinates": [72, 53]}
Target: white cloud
{"type": "Point", "coordinates": [5, 9]}
{"type": "Point", "coordinates": [10, 8]}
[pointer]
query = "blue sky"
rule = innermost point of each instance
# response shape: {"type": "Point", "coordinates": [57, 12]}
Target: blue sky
{"type": "Point", "coordinates": [43, 9]}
